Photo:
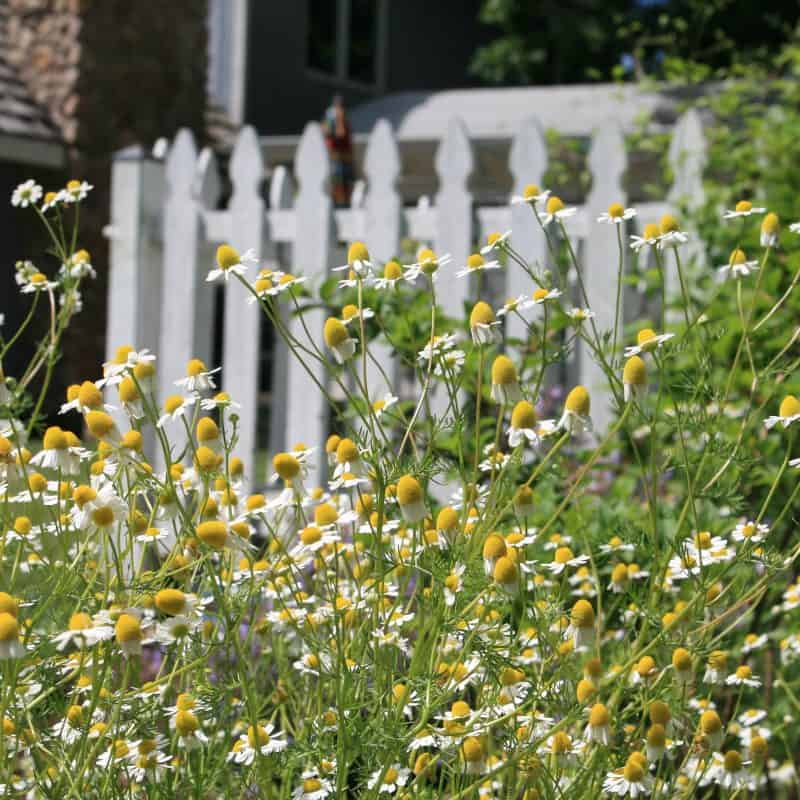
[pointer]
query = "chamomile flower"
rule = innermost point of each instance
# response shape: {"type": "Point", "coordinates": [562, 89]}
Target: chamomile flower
{"type": "Point", "coordinates": [79, 265]}
{"type": "Point", "coordinates": [511, 305]}
{"type": "Point", "coordinates": [788, 413]}
{"type": "Point", "coordinates": [338, 340]}
{"type": "Point", "coordinates": [312, 787]}
{"type": "Point", "coordinates": [632, 780]}
{"type": "Point", "coordinates": [750, 531]}
{"type": "Point", "coordinates": [477, 263]}
{"type": "Point", "coordinates": [82, 631]}
{"type": "Point", "coordinates": [75, 191]}
{"type": "Point", "coordinates": [738, 266]}
{"type": "Point", "coordinates": [744, 208]}
{"type": "Point", "coordinates": [563, 557]}
{"type": "Point", "coordinates": [555, 210]}
{"type": "Point", "coordinates": [577, 408]}
{"type": "Point", "coordinates": [579, 315]}
{"type": "Point", "coordinates": [505, 381]}
{"type": "Point", "coordinates": [524, 425]}
{"type": "Point", "coordinates": [495, 242]}
{"type": "Point", "coordinates": [231, 262]}
{"type": "Point", "coordinates": [260, 739]}
{"type": "Point", "coordinates": [647, 340]}
{"type": "Point", "coordinates": [670, 234]}
{"type": "Point", "coordinates": [617, 214]}
{"type": "Point", "coordinates": [27, 193]}
{"type": "Point", "coordinates": [38, 283]}
{"type": "Point", "coordinates": [358, 261]}
{"type": "Point", "coordinates": [650, 237]}
{"type": "Point", "coordinates": [483, 326]}
{"type": "Point", "coordinates": [10, 645]}
{"type": "Point", "coordinates": [389, 780]}
{"type": "Point", "coordinates": [743, 677]}
{"type": "Point", "coordinates": [427, 264]}
{"type": "Point", "coordinates": [634, 379]}
{"type": "Point", "coordinates": [728, 771]}
{"type": "Point", "coordinates": [199, 378]}
{"type": "Point", "coordinates": [598, 729]}
{"type": "Point", "coordinates": [531, 195]}
{"type": "Point", "coordinates": [392, 275]}
{"type": "Point", "coordinates": [541, 296]}
{"type": "Point", "coordinates": [770, 228]}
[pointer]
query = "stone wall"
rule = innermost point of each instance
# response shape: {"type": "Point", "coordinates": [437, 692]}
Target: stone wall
{"type": "Point", "coordinates": [110, 73]}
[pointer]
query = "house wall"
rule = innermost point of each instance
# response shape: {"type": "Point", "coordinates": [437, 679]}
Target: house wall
{"type": "Point", "coordinates": [428, 46]}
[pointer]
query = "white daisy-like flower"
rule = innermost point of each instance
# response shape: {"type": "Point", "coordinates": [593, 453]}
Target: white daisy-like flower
{"type": "Point", "coordinates": [750, 531]}
{"type": "Point", "coordinates": [580, 314]}
{"type": "Point", "coordinates": [632, 780]}
{"type": "Point", "coordinates": [738, 266]}
{"type": "Point", "coordinates": [26, 194]}
{"type": "Point", "coordinates": [556, 211]}
{"type": "Point", "coordinates": [788, 413]}
{"type": "Point", "coordinates": [495, 241]}
{"type": "Point", "coordinates": [617, 214]}
{"type": "Point", "coordinates": [313, 787]}
{"type": "Point", "coordinates": [743, 677]}
{"type": "Point", "coordinates": [511, 305]}
{"type": "Point", "coordinates": [75, 191]}
{"type": "Point", "coordinates": [647, 340]}
{"type": "Point", "coordinates": [388, 780]}
{"type": "Point", "coordinates": [231, 262]}
{"type": "Point", "coordinates": [540, 297]}
{"type": "Point", "coordinates": [744, 208]}
{"type": "Point", "coordinates": [477, 263]}
{"type": "Point", "coordinates": [531, 195]}
{"type": "Point", "coordinates": [358, 261]}
{"type": "Point", "coordinates": [728, 771]}
{"type": "Point", "coordinates": [198, 378]}
{"type": "Point", "coordinates": [427, 263]}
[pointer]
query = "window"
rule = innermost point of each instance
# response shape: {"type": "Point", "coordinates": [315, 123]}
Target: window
{"type": "Point", "coordinates": [322, 26]}
{"type": "Point", "coordinates": [345, 39]}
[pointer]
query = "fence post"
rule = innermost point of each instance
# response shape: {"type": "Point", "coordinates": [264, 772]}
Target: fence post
{"type": "Point", "coordinates": [182, 274]}
{"type": "Point", "coordinates": [134, 283]}
{"type": "Point", "coordinates": [528, 164]}
{"type": "Point", "coordinates": [383, 220]}
{"type": "Point", "coordinates": [454, 164]}
{"type": "Point", "coordinates": [307, 415]}
{"type": "Point", "coordinates": [242, 339]}
{"type": "Point", "coordinates": [281, 198]}
{"type": "Point", "coordinates": [687, 158]}
{"type": "Point", "coordinates": [607, 161]}
{"type": "Point", "coordinates": [206, 190]}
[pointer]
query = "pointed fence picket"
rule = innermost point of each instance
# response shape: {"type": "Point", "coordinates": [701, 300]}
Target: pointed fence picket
{"type": "Point", "coordinates": [163, 241]}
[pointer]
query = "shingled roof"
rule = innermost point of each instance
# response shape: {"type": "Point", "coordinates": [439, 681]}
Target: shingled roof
{"type": "Point", "coordinates": [27, 134]}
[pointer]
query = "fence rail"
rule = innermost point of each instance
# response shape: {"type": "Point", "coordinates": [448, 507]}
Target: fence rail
{"type": "Point", "coordinates": [166, 223]}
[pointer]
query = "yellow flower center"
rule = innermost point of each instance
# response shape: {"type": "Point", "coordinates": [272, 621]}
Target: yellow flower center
{"type": "Point", "coordinates": [578, 401]}
{"type": "Point", "coordinates": [195, 367]}
{"type": "Point", "coordinates": [634, 373]}
{"type": "Point", "coordinates": [744, 205]}
{"type": "Point", "coordinates": [737, 256]}
{"type": "Point", "coordinates": [504, 372]}
{"type": "Point", "coordinates": [170, 601]}
{"type": "Point", "coordinates": [554, 205]}
{"type": "Point", "coordinates": [334, 333]}
{"type": "Point", "coordinates": [481, 314]}
{"type": "Point", "coordinates": [357, 252]}
{"type": "Point", "coordinates": [408, 490]}
{"type": "Point", "coordinates": [9, 628]}
{"type": "Point", "coordinates": [733, 761]}
{"type": "Point", "coordinates": [55, 439]}
{"type": "Point", "coordinates": [227, 257]}
{"type": "Point", "coordinates": [128, 629]}
{"type": "Point", "coordinates": [475, 261]}
{"type": "Point", "coordinates": [616, 210]}
{"type": "Point", "coordinates": [790, 406]}
{"type": "Point", "coordinates": [531, 191]}
{"type": "Point", "coordinates": [599, 716]}
{"type": "Point", "coordinates": [392, 270]}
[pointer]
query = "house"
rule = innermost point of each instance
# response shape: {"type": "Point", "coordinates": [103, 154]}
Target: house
{"type": "Point", "coordinates": [277, 65]}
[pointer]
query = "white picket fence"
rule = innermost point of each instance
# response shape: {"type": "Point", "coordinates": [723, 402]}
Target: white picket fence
{"type": "Point", "coordinates": [165, 224]}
